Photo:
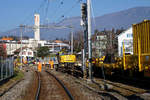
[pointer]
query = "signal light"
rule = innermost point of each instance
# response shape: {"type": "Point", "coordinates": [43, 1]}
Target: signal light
{"type": "Point", "coordinates": [84, 10]}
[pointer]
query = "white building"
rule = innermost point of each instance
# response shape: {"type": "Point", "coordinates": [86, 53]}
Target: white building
{"type": "Point", "coordinates": [13, 46]}
{"type": "Point", "coordinates": [125, 37]}
{"type": "Point", "coordinates": [56, 46]}
{"type": "Point", "coordinates": [27, 52]}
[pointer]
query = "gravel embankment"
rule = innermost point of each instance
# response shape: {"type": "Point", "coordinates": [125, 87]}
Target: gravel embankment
{"type": "Point", "coordinates": [78, 91]}
{"type": "Point", "coordinates": [19, 90]}
{"type": "Point", "coordinates": [127, 91]}
{"type": "Point", "coordinates": [83, 90]}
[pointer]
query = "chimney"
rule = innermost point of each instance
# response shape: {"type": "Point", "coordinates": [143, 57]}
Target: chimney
{"type": "Point", "coordinates": [37, 27]}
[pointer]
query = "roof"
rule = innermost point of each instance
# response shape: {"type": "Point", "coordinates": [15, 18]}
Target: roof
{"type": "Point", "coordinates": [18, 50]}
{"type": "Point", "coordinates": [58, 41]}
{"type": "Point", "coordinates": [125, 31]}
{"type": "Point", "coordinates": [7, 38]}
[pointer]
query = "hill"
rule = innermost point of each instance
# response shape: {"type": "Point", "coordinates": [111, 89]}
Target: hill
{"type": "Point", "coordinates": [115, 20]}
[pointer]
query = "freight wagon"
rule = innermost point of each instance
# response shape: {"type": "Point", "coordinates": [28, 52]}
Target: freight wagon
{"type": "Point", "coordinates": [138, 64]}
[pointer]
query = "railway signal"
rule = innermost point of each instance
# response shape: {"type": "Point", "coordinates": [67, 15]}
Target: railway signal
{"type": "Point", "coordinates": [84, 11]}
{"type": "Point", "coordinates": [84, 25]}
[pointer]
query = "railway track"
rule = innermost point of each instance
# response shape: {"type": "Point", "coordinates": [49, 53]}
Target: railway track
{"type": "Point", "coordinates": [51, 88]}
{"type": "Point", "coordinates": [139, 83]}
{"type": "Point", "coordinates": [64, 87]}
{"type": "Point", "coordinates": [110, 95]}
{"type": "Point", "coordinates": [1, 94]}
{"type": "Point", "coordinates": [124, 90]}
{"type": "Point", "coordinates": [39, 86]}
{"type": "Point", "coordinates": [105, 95]}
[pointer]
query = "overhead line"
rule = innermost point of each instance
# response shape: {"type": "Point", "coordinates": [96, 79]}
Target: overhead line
{"type": "Point", "coordinates": [68, 11]}
{"type": "Point", "coordinates": [55, 11]}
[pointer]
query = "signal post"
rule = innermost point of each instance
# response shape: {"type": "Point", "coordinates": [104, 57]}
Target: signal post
{"type": "Point", "coordinates": [84, 25]}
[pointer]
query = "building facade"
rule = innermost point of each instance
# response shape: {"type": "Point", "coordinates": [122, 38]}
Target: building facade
{"type": "Point", "coordinates": [99, 45]}
{"type": "Point", "coordinates": [27, 53]}
{"type": "Point", "coordinates": [54, 46]}
{"type": "Point", "coordinates": [125, 38]}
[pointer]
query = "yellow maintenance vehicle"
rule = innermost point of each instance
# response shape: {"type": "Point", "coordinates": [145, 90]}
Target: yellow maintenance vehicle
{"type": "Point", "coordinates": [69, 63]}
{"type": "Point", "coordinates": [67, 59]}
{"type": "Point", "coordinates": [66, 62]}
{"type": "Point", "coordinates": [137, 64]}
{"type": "Point", "coordinates": [140, 60]}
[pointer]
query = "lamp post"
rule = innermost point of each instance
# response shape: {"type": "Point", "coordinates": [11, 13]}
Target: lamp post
{"type": "Point", "coordinates": [21, 46]}
{"type": "Point", "coordinates": [71, 41]}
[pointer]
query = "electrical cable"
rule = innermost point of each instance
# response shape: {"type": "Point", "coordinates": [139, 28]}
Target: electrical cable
{"type": "Point", "coordinates": [42, 6]}
{"type": "Point", "coordinates": [29, 19]}
{"type": "Point", "coordinates": [59, 6]}
{"type": "Point", "coordinates": [46, 10]}
{"type": "Point", "coordinates": [34, 11]}
{"type": "Point", "coordinates": [67, 12]}
{"type": "Point", "coordinates": [102, 68]}
{"type": "Point", "coordinates": [93, 16]}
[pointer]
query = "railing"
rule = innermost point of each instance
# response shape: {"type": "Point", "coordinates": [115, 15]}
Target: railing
{"type": "Point", "coordinates": [6, 68]}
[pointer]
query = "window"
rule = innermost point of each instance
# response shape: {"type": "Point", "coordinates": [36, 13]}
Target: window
{"type": "Point", "coordinates": [129, 35]}
{"type": "Point", "coordinates": [24, 53]}
{"type": "Point", "coordinates": [29, 53]}
{"type": "Point", "coordinates": [98, 37]}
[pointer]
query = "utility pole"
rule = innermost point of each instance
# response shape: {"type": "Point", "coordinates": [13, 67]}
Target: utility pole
{"type": "Point", "coordinates": [53, 47]}
{"type": "Point", "coordinates": [21, 48]}
{"type": "Point", "coordinates": [71, 41]}
{"type": "Point", "coordinates": [89, 39]}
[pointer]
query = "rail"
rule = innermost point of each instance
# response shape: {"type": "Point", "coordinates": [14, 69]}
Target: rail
{"type": "Point", "coordinates": [66, 90]}
{"type": "Point", "coordinates": [39, 86]}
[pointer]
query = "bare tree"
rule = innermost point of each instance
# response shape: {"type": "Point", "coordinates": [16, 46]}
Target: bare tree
{"type": "Point", "coordinates": [78, 41]}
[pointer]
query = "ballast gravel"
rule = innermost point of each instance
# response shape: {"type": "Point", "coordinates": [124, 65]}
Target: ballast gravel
{"type": "Point", "coordinates": [78, 91]}
{"type": "Point", "coordinates": [19, 90]}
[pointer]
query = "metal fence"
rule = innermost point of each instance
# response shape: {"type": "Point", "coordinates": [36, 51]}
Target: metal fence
{"type": "Point", "coordinates": [6, 68]}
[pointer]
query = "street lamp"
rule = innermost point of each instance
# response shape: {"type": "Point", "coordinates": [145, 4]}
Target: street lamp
{"type": "Point", "coordinates": [21, 46]}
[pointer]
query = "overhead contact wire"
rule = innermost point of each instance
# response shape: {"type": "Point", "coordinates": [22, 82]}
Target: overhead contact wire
{"type": "Point", "coordinates": [68, 11]}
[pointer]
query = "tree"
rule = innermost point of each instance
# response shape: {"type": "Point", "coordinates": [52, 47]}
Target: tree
{"type": "Point", "coordinates": [78, 41]}
{"type": "Point", "coordinates": [43, 52]}
{"type": "Point", "coordinates": [96, 31]}
{"type": "Point", "coordinates": [3, 52]}
{"type": "Point", "coordinates": [118, 31]}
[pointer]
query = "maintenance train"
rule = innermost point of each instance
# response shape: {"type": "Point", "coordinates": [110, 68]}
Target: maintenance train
{"type": "Point", "coordinates": [136, 65]}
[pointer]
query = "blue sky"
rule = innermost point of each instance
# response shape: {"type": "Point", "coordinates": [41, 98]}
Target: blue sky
{"type": "Point", "coordinates": [16, 12]}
